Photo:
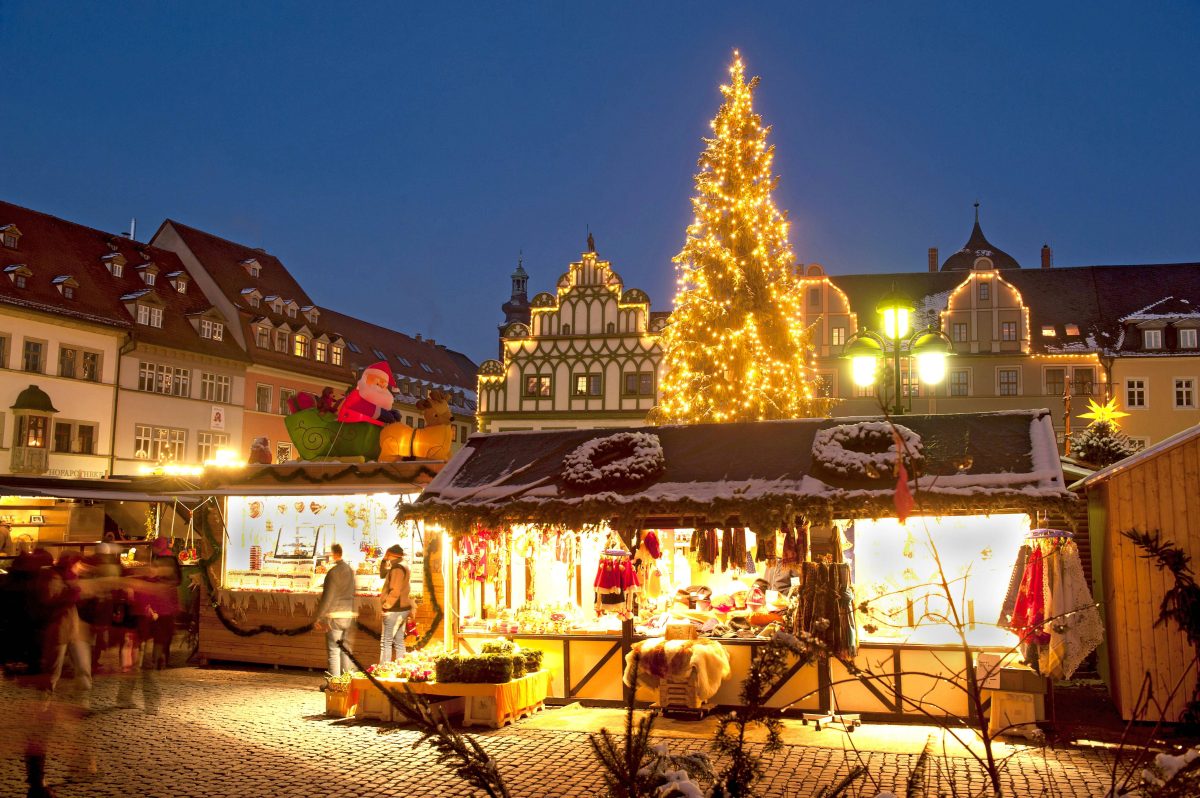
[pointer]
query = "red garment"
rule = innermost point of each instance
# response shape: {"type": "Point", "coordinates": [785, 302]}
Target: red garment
{"type": "Point", "coordinates": [1030, 611]}
{"type": "Point", "coordinates": [903, 498]}
{"type": "Point", "coordinates": [355, 408]}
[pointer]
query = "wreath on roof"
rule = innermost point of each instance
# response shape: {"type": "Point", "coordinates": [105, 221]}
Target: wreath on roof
{"type": "Point", "coordinates": [622, 460]}
{"type": "Point", "coordinates": [866, 449]}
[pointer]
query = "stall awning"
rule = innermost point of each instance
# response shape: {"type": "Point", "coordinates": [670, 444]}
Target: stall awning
{"type": "Point", "coordinates": [760, 473]}
{"type": "Point", "coordinates": [317, 479]}
{"type": "Point", "coordinates": [123, 490]}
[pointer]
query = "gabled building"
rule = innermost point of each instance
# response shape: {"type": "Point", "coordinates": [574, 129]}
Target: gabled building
{"type": "Point", "coordinates": [584, 356]}
{"type": "Point", "coordinates": [295, 346]}
{"type": "Point", "coordinates": [109, 356]}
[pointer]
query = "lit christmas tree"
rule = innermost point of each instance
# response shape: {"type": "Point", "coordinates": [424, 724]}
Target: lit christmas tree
{"type": "Point", "coordinates": [1102, 443]}
{"type": "Point", "coordinates": [735, 349]}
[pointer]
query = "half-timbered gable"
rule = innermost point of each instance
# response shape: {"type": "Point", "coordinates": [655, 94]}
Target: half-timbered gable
{"type": "Point", "coordinates": [587, 358]}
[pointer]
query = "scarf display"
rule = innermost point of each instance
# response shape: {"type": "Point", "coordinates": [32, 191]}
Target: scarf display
{"type": "Point", "coordinates": [825, 607]}
{"type": "Point", "coordinates": [704, 544]}
{"type": "Point", "coordinates": [1052, 610]}
{"type": "Point", "coordinates": [733, 549]}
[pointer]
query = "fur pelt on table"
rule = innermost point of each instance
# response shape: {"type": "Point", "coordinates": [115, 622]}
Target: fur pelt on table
{"type": "Point", "coordinates": [660, 659]}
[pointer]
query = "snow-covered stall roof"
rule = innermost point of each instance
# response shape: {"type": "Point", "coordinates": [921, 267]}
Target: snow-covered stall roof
{"type": "Point", "coordinates": [757, 473]}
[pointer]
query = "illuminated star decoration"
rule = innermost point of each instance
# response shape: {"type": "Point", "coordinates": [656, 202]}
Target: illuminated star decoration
{"type": "Point", "coordinates": [1100, 413]}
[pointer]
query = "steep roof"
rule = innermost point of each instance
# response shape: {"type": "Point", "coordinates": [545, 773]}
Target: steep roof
{"type": "Point", "coordinates": [978, 246]}
{"type": "Point", "coordinates": [759, 473]}
{"type": "Point", "coordinates": [54, 249]}
{"type": "Point", "coordinates": [1092, 298]}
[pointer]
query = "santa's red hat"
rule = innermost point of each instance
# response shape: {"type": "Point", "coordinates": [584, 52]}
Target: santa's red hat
{"type": "Point", "coordinates": [383, 368]}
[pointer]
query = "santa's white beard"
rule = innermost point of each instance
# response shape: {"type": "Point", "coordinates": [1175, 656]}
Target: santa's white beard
{"type": "Point", "coordinates": [380, 397]}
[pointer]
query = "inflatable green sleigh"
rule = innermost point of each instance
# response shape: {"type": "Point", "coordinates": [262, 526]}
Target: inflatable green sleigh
{"type": "Point", "coordinates": [320, 436]}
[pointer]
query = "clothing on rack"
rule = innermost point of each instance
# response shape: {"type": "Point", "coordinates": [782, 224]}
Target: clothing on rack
{"type": "Point", "coordinates": [704, 544]}
{"type": "Point", "coordinates": [825, 607]}
{"type": "Point", "coordinates": [733, 549]}
{"type": "Point", "coordinates": [764, 546]}
{"type": "Point", "coordinates": [1014, 586]}
{"type": "Point", "coordinates": [617, 585]}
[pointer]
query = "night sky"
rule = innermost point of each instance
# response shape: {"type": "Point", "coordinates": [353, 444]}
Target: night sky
{"type": "Point", "coordinates": [397, 158]}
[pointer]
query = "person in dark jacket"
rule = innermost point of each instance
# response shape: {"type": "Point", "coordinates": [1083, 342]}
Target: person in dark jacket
{"type": "Point", "coordinates": [336, 613]}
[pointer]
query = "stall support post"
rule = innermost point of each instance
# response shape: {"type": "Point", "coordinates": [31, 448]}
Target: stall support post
{"type": "Point", "coordinates": [626, 646]}
{"type": "Point", "coordinates": [450, 615]}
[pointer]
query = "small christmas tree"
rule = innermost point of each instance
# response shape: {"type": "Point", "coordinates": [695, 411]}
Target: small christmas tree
{"type": "Point", "coordinates": [1102, 443]}
{"type": "Point", "coordinates": [735, 349]}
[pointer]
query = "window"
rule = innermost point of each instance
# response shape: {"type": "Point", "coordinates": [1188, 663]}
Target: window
{"type": "Point", "coordinates": [262, 337]}
{"type": "Point", "coordinates": [335, 355]}
{"type": "Point", "coordinates": [909, 384]}
{"type": "Point", "coordinates": [1008, 331]}
{"type": "Point", "coordinates": [537, 386]}
{"type": "Point", "coordinates": [207, 444]}
{"type": "Point", "coordinates": [286, 395]}
{"type": "Point", "coordinates": [864, 391]}
{"type": "Point", "coordinates": [253, 300]}
{"type": "Point", "coordinates": [215, 387]}
{"type": "Point", "coordinates": [68, 292]}
{"type": "Point", "coordinates": [837, 336]}
{"type": "Point", "coordinates": [959, 330]}
{"type": "Point", "coordinates": [1084, 380]}
{"type": "Point", "coordinates": [426, 367]}
{"type": "Point", "coordinates": [1056, 382]}
{"type": "Point", "coordinates": [32, 432]}
{"type": "Point", "coordinates": [19, 281]}
{"type": "Point", "coordinates": [1072, 329]}
{"type": "Point", "coordinates": [10, 240]}
{"type": "Point", "coordinates": [159, 378]}
{"type": "Point", "coordinates": [116, 267]}
{"type": "Point", "coordinates": [1187, 338]}
{"type": "Point", "coordinates": [1152, 339]}
{"type": "Point", "coordinates": [960, 382]}
{"type": "Point", "coordinates": [77, 364]}
{"type": "Point", "coordinates": [354, 347]}
{"type": "Point", "coordinates": [73, 437]}
{"type": "Point", "coordinates": [212, 329]}
{"type": "Point", "coordinates": [609, 328]}
{"type": "Point", "coordinates": [1008, 382]}
{"type": "Point", "coordinates": [181, 285]}
{"type": "Point", "coordinates": [404, 361]}
{"type": "Point", "coordinates": [159, 444]}
{"type": "Point", "coordinates": [587, 384]}
{"type": "Point", "coordinates": [1135, 392]}
{"type": "Point", "coordinates": [566, 329]}
{"type": "Point", "coordinates": [252, 267]}
{"type": "Point", "coordinates": [281, 341]}
{"type": "Point", "coordinates": [1185, 392]}
{"type": "Point", "coordinates": [152, 317]}
{"type": "Point", "coordinates": [639, 383]}
{"type": "Point", "coordinates": [300, 346]}
{"type": "Point", "coordinates": [35, 351]}
{"type": "Point", "coordinates": [1048, 331]}
{"type": "Point", "coordinates": [379, 354]}
{"type": "Point", "coordinates": [985, 290]}
{"type": "Point", "coordinates": [149, 277]}
{"type": "Point", "coordinates": [814, 297]}
{"type": "Point", "coordinates": [4, 343]}
{"type": "Point", "coordinates": [320, 350]}
{"type": "Point", "coordinates": [262, 398]}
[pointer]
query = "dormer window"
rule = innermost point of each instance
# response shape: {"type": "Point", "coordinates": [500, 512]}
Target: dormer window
{"type": "Point", "coordinates": [320, 351]}
{"type": "Point", "coordinates": [1187, 338]}
{"type": "Point", "coordinates": [300, 346]}
{"type": "Point", "coordinates": [281, 341]}
{"type": "Point", "coordinates": [262, 337]}
{"type": "Point", "coordinates": [291, 311]}
{"type": "Point", "coordinates": [115, 263]}
{"type": "Point", "coordinates": [1048, 330]}
{"type": "Point", "coordinates": [11, 236]}
{"type": "Point", "coordinates": [277, 306]}
{"type": "Point", "coordinates": [253, 300]}
{"type": "Point", "coordinates": [252, 267]}
{"type": "Point", "coordinates": [1072, 329]}
{"type": "Point", "coordinates": [19, 273]}
{"type": "Point", "coordinates": [335, 355]}
{"type": "Point", "coordinates": [180, 281]}
{"type": "Point", "coordinates": [149, 316]}
{"type": "Point", "coordinates": [214, 330]}
{"type": "Point", "coordinates": [66, 285]}
{"type": "Point", "coordinates": [149, 273]}
{"type": "Point", "coordinates": [311, 313]}
{"type": "Point", "coordinates": [1152, 339]}
{"type": "Point", "coordinates": [378, 354]}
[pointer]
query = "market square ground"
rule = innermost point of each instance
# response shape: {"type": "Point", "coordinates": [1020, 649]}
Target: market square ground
{"type": "Point", "coordinates": [227, 732]}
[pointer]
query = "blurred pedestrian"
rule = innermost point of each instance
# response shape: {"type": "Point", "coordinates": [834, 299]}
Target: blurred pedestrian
{"type": "Point", "coordinates": [395, 602]}
{"type": "Point", "coordinates": [336, 612]}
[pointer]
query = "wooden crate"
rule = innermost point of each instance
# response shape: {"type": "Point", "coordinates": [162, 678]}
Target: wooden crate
{"type": "Point", "coordinates": [337, 705]}
{"type": "Point", "coordinates": [679, 692]}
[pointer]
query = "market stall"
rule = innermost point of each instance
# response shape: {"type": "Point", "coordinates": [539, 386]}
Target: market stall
{"type": "Point", "coordinates": [274, 524]}
{"type": "Point", "coordinates": [579, 543]}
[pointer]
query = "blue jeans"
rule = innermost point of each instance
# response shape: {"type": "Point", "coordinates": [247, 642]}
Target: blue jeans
{"type": "Point", "coordinates": [391, 635]}
{"type": "Point", "coordinates": [340, 630]}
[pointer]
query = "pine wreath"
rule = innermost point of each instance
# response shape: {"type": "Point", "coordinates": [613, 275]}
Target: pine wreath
{"type": "Point", "coordinates": [866, 449]}
{"type": "Point", "coordinates": [622, 460]}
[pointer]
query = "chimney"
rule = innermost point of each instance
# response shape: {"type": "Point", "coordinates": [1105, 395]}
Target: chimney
{"type": "Point", "coordinates": [1047, 256]}
{"type": "Point", "coordinates": [419, 339]}
{"type": "Point", "coordinates": [933, 259]}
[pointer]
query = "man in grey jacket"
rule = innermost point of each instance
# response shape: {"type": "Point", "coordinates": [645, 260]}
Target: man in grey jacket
{"type": "Point", "coordinates": [336, 611]}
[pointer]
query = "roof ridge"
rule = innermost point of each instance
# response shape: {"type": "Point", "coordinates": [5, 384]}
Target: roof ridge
{"type": "Point", "coordinates": [81, 226]}
{"type": "Point", "coordinates": [178, 223]}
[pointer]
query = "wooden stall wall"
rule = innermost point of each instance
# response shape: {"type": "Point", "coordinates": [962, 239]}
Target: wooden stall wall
{"type": "Point", "coordinates": [1159, 494]}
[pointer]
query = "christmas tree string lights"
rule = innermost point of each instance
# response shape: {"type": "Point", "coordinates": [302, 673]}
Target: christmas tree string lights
{"type": "Point", "coordinates": [736, 348]}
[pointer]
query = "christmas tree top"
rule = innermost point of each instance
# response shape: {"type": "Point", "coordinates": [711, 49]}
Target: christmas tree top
{"type": "Point", "coordinates": [736, 349]}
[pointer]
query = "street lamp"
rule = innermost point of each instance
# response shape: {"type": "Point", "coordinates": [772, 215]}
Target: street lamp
{"type": "Point", "coordinates": [866, 349]}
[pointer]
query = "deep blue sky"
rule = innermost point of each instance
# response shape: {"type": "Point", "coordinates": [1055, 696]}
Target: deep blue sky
{"type": "Point", "coordinates": [398, 157]}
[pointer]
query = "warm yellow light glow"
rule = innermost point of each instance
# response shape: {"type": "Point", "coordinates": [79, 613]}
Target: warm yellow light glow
{"type": "Point", "coordinates": [171, 470]}
{"type": "Point", "coordinates": [931, 367]}
{"type": "Point", "coordinates": [895, 323]}
{"type": "Point", "coordinates": [862, 370]}
{"type": "Point", "coordinates": [1101, 413]}
{"type": "Point", "coordinates": [225, 457]}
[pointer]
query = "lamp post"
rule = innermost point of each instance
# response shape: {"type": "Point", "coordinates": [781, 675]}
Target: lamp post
{"type": "Point", "coordinates": [866, 349]}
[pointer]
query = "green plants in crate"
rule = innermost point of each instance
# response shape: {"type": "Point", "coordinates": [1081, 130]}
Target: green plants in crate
{"type": "Point", "coordinates": [531, 659]}
{"type": "Point", "coordinates": [477, 669]}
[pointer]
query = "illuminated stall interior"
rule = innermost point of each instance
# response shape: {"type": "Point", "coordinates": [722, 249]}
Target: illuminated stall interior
{"type": "Point", "coordinates": [734, 504]}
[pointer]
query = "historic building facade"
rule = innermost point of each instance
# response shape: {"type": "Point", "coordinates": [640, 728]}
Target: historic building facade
{"type": "Point", "coordinates": [585, 356]}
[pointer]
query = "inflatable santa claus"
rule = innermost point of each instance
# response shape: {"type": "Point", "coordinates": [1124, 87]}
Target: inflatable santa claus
{"type": "Point", "coordinates": [371, 401]}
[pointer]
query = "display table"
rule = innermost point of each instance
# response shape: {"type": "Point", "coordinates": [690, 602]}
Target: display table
{"type": "Point", "coordinates": [492, 705]}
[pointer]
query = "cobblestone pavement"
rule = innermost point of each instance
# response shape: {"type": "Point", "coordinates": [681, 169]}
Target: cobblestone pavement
{"type": "Point", "coordinates": [262, 733]}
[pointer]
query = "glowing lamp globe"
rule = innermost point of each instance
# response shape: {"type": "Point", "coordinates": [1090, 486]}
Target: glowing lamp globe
{"type": "Point", "coordinates": [931, 350]}
{"type": "Point", "coordinates": [864, 354]}
{"type": "Point", "coordinates": [896, 310]}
